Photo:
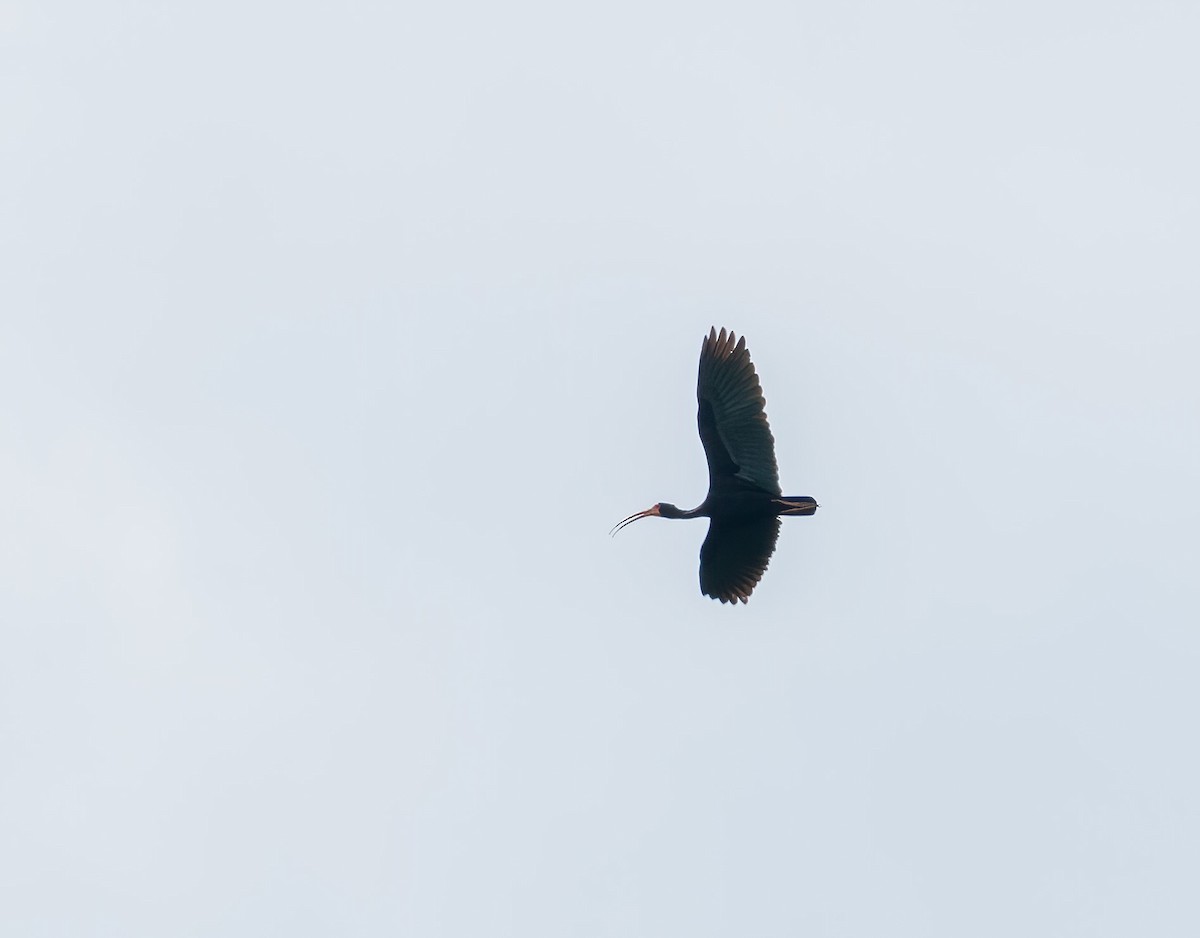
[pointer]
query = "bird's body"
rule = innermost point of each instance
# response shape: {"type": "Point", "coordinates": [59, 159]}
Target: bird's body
{"type": "Point", "coordinates": [744, 503]}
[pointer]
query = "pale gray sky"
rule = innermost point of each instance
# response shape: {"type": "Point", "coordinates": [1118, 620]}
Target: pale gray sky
{"type": "Point", "coordinates": [335, 337]}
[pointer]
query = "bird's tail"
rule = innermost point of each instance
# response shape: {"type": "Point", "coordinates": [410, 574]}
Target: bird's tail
{"type": "Point", "coordinates": [799, 505]}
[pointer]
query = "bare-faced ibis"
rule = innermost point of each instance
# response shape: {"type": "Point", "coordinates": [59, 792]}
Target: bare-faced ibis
{"type": "Point", "coordinates": [744, 502]}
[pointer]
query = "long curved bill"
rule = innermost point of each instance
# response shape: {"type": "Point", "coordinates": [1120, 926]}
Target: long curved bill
{"type": "Point", "coordinates": [651, 512]}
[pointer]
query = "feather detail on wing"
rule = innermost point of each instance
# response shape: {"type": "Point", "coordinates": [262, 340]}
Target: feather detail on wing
{"type": "Point", "coordinates": [734, 557]}
{"type": "Point", "coordinates": [732, 420]}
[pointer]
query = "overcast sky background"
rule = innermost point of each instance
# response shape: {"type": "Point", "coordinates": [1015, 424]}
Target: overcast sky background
{"type": "Point", "coordinates": [334, 338]}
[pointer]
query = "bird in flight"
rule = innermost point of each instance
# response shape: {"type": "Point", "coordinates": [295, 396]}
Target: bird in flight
{"type": "Point", "coordinates": [744, 502]}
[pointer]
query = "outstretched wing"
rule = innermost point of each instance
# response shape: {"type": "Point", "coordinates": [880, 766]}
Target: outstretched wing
{"type": "Point", "coordinates": [734, 556]}
{"type": "Point", "coordinates": [733, 425]}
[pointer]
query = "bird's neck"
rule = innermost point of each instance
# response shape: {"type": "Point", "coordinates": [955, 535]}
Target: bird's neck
{"type": "Point", "coordinates": [670, 511]}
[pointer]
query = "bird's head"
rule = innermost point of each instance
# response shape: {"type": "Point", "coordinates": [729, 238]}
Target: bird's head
{"type": "Point", "coordinates": [660, 510]}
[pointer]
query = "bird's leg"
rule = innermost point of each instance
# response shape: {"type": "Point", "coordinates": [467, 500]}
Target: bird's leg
{"type": "Point", "coordinates": [796, 506]}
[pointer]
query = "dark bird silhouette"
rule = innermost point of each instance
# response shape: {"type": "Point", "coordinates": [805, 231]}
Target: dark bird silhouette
{"type": "Point", "coordinates": [744, 502]}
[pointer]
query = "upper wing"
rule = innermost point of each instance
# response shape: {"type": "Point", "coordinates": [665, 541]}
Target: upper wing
{"type": "Point", "coordinates": [734, 556]}
{"type": "Point", "coordinates": [733, 425]}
